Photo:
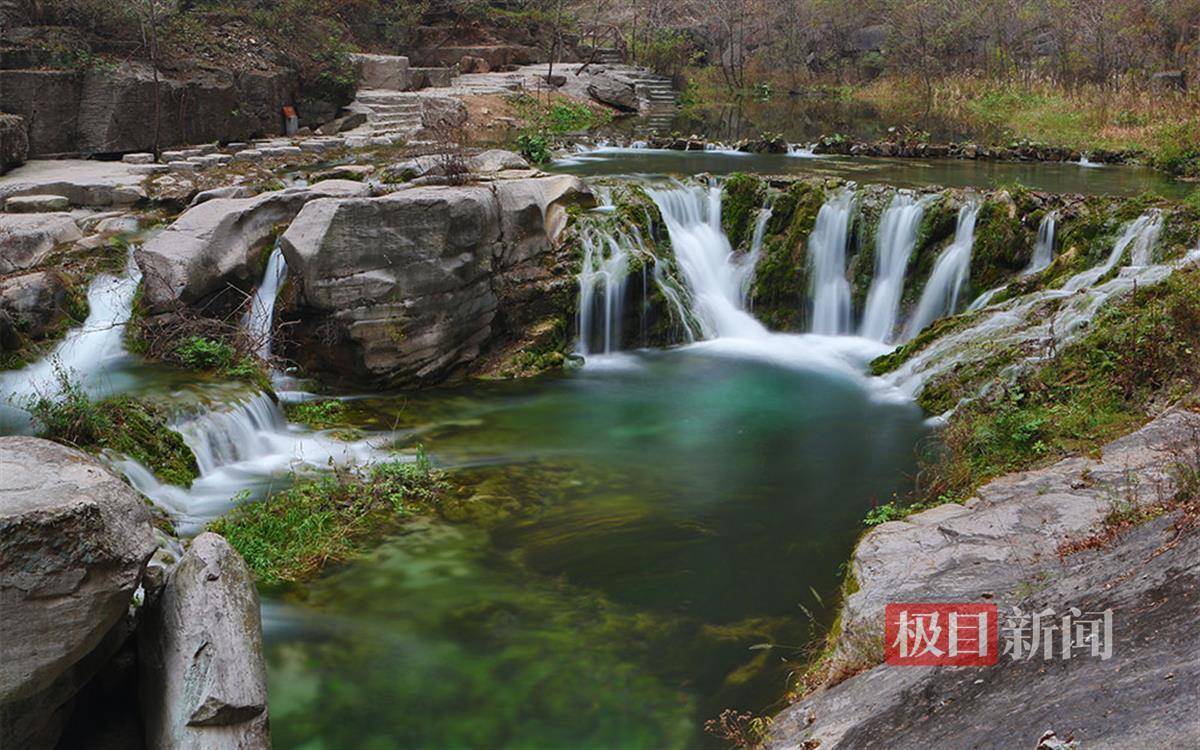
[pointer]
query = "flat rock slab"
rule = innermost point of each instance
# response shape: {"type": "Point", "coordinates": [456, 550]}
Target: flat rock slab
{"type": "Point", "coordinates": [1002, 546]}
{"type": "Point", "coordinates": [26, 239]}
{"type": "Point", "coordinates": [82, 182]}
{"type": "Point", "coordinates": [32, 204]}
{"type": "Point", "coordinates": [74, 541]}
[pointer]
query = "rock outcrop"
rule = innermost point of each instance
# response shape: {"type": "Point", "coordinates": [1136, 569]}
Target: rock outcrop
{"type": "Point", "coordinates": [217, 244]}
{"type": "Point", "coordinates": [613, 91]}
{"type": "Point", "coordinates": [26, 239]}
{"type": "Point", "coordinates": [31, 304]}
{"type": "Point", "coordinates": [202, 673]}
{"type": "Point", "coordinates": [74, 541]}
{"type": "Point", "coordinates": [382, 71]}
{"type": "Point", "coordinates": [407, 288]}
{"type": "Point", "coordinates": [14, 142]}
{"type": "Point", "coordinates": [111, 110]}
{"type": "Point", "coordinates": [1002, 547]}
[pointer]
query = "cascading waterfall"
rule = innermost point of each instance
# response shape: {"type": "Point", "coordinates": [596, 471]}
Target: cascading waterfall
{"type": "Point", "coordinates": [1140, 233]}
{"type": "Point", "coordinates": [750, 262]}
{"type": "Point", "coordinates": [949, 274]}
{"type": "Point", "coordinates": [242, 446]}
{"type": "Point", "coordinates": [1043, 251]}
{"type": "Point", "coordinates": [86, 349]}
{"type": "Point", "coordinates": [258, 320]}
{"type": "Point", "coordinates": [827, 255]}
{"type": "Point", "coordinates": [896, 239]}
{"type": "Point", "coordinates": [605, 270]}
{"type": "Point", "coordinates": [716, 278]}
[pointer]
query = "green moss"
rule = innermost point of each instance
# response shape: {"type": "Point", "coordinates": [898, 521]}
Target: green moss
{"type": "Point", "coordinates": [132, 427]}
{"type": "Point", "coordinates": [938, 224]}
{"type": "Point", "coordinates": [939, 328]}
{"type": "Point", "coordinates": [742, 197]}
{"type": "Point", "coordinates": [781, 279]}
{"type": "Point", "coordinates": [214, 355]}
{"type": "Point", "coordinates": [291, 535]}
{"type": "Point", "coordinates": [1139, 354]}
{"type": "Point", "coordinates": [1003, 246]}
{"type": "Point", "coordinates": [319, 415]}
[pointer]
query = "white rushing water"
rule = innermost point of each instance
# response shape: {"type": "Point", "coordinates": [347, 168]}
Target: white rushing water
{"type": "Point", "coordinates": [259, 319]}
{"type": "Point", "coordinates": [716, 281]}
{"type": "Point", "coordinates": [245, 446]}
{"type": "Point", "coordinates": [830, 288]}
{"type": "Point", "coordinates": [1043, 250]}
{"type": "Point", "coordinates": [85, 350]}
{"type": "Point", "coordinates": [950, 272]}
{"type": "Point", "coordinates": [895, 241]}
{"type": "Point", "coordinates": [1140, 234]}
{"type": "Point", "coordinates": [716, 278]}
{"type": "Point", "coordinates": [602, 284]}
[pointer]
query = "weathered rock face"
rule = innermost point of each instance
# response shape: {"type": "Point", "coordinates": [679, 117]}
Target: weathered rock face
{"type": "Point", "coordinates": [81, 182]}
{"type": "Point", "coordinates": [1000, 547]}
{"type": "Point", "coordinates": [74, 540]}
{"type": "Point", "coordinates": [406, 288]}
{"type": "Point", "coordinates": [203, 680]}
{"type": "Point", "coordinates": [217, 243]}
{"type": "Point", "coordinates": [112, 110]}
{"type": "Point", "coordinates": [613, 91]}
{"type": "Point", "coordinates": [26, 239]}
{"type": "Point", "coordinates": [30, 305]}
{"type": "Point", "coordinates": [496, 160]}
{"type": "Point", "coordinates": [14, 142]}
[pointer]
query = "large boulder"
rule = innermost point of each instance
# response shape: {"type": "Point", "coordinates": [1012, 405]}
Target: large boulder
{"type": "Point", "coordinates": [381, 71]}
{"type": "Point", "coordinates": [217, 243]}
{"type": "Point", "coordinates": [74, 541]}
{"type": "Point", "coordinates": [26, 239]}
{"type": "Point", "coordinates": [443, 112]}
{"type": "Point", "coordinates": [14, 142]}
{"type": "Point", "coordinates": [203, 679]}
{"type": "Point", "coordinates": [31, 304]}
{"type": "Point", "coordinates": [614, 91]}
{"type": "Point", "coordinates": [496, 160]}
{"type": "Point", "coordinates": [405, 288]}
{"type": "Point", "coordinates": [81, 182]}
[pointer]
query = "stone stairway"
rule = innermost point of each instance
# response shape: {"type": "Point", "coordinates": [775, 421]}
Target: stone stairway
{"type": "Point", "coordinates": [389, 113]}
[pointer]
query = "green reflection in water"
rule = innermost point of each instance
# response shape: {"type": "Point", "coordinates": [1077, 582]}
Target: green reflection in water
{"type": "Point", "coordinates": [631, 534]}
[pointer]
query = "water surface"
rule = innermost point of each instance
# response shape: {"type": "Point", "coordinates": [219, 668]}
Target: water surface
{"type": "Point", "coordinates": [636, 529]}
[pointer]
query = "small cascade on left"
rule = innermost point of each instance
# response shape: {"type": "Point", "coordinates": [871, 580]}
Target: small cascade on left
{"type": "Point", "coordinates": [259, 320]}
{"type": "Point", "coordinates": [602, 284]}
{"type": "Point", "coordinates": [950, 273]}
{"type": "Point", "coordinates": [86, 351]}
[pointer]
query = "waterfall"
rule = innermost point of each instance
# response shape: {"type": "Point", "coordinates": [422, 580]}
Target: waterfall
{"type": "Point", "coordinates": [984, 299]}
{"type": "Point", "coordinates": [243, 447]}
{"type": "Point", "coordinates": [605, 271]}
{"type": "Point", "coordinates": [1043, 251]}
{"type": "Point", "coordinates": [949, 274]}
{"type": "Point", "coordinates": [750, 262]}
{"type": "Point", "coordinates": [716, 278]}
{"type": "Point", "coordinates": [827, 256]}
{"type": "Point", "coordinates": [259, 318]}
{"type": "Point", "coordinates": [85, 350]}
{"type": "Point", "coordinates": [894, 245]}
{"type": "Point", "coordinates": [1141, 233]}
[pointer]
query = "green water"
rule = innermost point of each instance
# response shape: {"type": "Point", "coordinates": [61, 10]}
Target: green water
{"type": "Point", "coordinates": [629, 534]}
{"type": "Point", "coordinates": [909, 173]}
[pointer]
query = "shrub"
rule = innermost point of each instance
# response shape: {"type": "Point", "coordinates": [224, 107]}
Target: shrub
{"type": "Point", "coordinates": [534, 147]}
{"type": "Point", "coordinates": [290, 535]}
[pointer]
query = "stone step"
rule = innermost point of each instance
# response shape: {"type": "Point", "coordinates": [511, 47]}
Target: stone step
{"type": "Point", "coordinates": [395, 109]}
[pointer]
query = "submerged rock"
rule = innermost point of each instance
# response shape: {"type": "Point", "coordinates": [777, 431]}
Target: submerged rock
{"type": "Point", "coordinates": [203, 680]}
{"type": "Point", "coordinates": [406, 288]}
{"type": "Point", "coordinates": [74, 541]}
{"type": "Point", "coordinates": [217, 243]}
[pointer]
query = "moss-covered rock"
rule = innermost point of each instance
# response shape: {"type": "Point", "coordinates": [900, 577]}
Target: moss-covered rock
{"type": "Point", "coordinates": [1003, 243]}
{"type": "Point", "coordinates": [742, 197]}
{"type": "Point", "coordinates": [781, 279]}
